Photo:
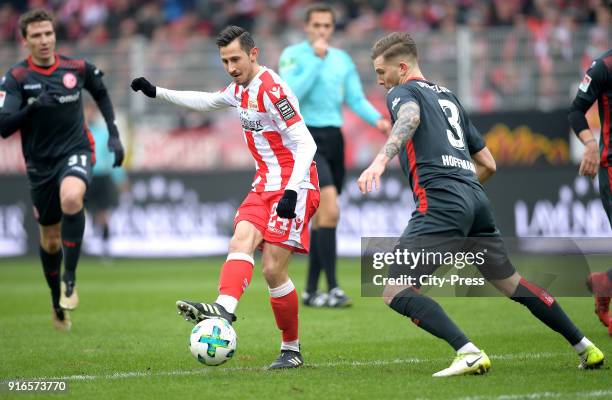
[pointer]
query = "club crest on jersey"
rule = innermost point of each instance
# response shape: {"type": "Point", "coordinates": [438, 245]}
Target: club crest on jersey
{"type": "Point", "coordinates": [586, 82]}
{"type": "Point", "coordinates": [252, 105]}
{"type": "Point", "coordinates": [69, 80]}
{"type": "Point", "coordinates": [2, 98]}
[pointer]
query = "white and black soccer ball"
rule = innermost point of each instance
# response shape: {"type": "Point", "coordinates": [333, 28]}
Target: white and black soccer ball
{"type": "Point", "coordinates": [213, 341]}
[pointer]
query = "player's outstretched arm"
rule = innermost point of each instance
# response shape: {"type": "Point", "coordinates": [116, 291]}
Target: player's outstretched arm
{"type": "Point", "coordinates": [485, 164]}
{"type": "Point", "coordinates": [406, 124]}
{"type": "Point", "coordinates": [198, 101]}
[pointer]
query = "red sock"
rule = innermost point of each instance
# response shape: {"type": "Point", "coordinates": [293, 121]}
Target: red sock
{"type": "Point", "coordinates": [236, 274]}
{"type": "Point", "coordinates": [284, 301]}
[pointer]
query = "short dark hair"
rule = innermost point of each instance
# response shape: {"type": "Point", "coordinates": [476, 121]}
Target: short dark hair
{"type": "Point", "coordinates": [319, 7]}
{"type": "Point", "coordinates": [394, 44]}
{"type": "Point", "coordinates": [36, 15]}
{"type": "Point", "coordinates": [233, 32]}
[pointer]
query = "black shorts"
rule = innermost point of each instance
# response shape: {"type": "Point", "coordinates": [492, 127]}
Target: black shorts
{"type": "Point", "coordinates": [102, 194]}
{"type": "Point", "coordinates": [458, 219]}
{"type": "Point", "coordinates": [329, 156]}
{"type": "Point", "coordinates": [46, 178]}
{"type": "Point", "coordinates": [605, 191]}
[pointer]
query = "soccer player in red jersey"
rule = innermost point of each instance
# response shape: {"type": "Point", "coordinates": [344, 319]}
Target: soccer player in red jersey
{"type": "Point", "coordinates": [274, 216]}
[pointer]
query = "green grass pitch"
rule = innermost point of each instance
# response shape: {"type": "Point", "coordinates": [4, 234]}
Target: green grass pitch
{"type": "Point", "coordinates": [128, 342]}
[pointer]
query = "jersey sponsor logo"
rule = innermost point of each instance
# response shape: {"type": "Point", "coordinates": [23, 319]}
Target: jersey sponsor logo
{"type": "Point", "coordinates": [394, 103]}
{"type": "Point", "coordinates": [452, 161]}
{"type": "Point", "coordinates": [32, 86]}
{"type": "Point", "coordinates": [249, 124]}
{"type": "Point", "coordinates": [69, 80]}
{"type": "Point", "coordinates": [69, 98]}
{"type": "Point", "coordinates": [2, 98]}
{"type": "Point", "coordinates": [586, 82]}
{"type": "Point", "coordinates": [285, 109]}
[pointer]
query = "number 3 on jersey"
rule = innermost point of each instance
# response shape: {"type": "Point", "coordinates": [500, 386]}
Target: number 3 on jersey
{"type": "Point", "coordinates": [455, 138]}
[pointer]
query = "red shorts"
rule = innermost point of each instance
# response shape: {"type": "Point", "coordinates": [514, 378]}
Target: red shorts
{"type": "Point", "coordinates": [260, 210]}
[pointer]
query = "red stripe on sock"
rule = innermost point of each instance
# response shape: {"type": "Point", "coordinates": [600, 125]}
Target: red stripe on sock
{"type": "Point", "coordinates": [286, 314]}
{"type": "Point", "coordinates": [235, 277]}
{"type": "Point", "coordinates": [68, 243]}
{"type": "Point", "coordinates": [540, 293]}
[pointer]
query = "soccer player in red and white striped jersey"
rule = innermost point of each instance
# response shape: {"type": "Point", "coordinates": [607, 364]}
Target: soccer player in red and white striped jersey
{"type": "Point", "coordinates": [285, 191]}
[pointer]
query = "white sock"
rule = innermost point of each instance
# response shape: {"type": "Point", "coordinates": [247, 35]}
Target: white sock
{"type": "Point", "coordinates": [468, 348]}
{"type": "Point", "coordinates": [582, 345]}
{"type": "Point", "coordinates": [281, 290]}
{"type": "Point", "coordinates": [293, 345]}
{"type": "Point", "coordinates": [228, 302]}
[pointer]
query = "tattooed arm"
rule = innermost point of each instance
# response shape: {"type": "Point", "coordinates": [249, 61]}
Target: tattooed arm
{"type": "Point", "coordinates": [406, 124]}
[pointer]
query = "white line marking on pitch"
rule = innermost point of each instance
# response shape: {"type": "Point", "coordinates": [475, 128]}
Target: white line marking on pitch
{"type": "Point", "coordinates": [331, 364]}
{"type": "Point", "coordinates": [542, 395]}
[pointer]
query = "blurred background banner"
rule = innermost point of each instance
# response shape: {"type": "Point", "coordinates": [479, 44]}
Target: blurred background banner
{"type": "Point", "coordinates": [515, 65]}
{"type": "Point", "coordinates": [191, 214]}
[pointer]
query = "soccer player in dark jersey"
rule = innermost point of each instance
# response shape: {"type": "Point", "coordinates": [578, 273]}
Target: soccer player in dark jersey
{"type": "Point", "coordinates": [41, 97]}
{"type": "Point", "coordinates": [446, 160]}
{"type": "Point", "coordinates": [597, 85]}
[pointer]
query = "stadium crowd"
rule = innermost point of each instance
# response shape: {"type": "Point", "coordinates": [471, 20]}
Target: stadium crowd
{"type": "Point", "coordinates": [99, 21]}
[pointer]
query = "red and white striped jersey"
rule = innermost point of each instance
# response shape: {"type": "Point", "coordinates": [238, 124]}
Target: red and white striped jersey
{"type": "Point", "coordinates": [272, 125]}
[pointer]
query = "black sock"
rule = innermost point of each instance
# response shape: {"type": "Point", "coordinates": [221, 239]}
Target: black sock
{"type": "Point", "coordinates": [327, 253]}
{"type": "Point", "coordinates": [610, 274]}
{"type": "Point", "coordinates": [52, 264]}
{"type": "Point", "coordinates": [314, 264]}
{"type": "Point", "coordinates": [545, 308]}
{"type": "Point", "coordinates": [73, 226]}
{"type": "Point", "coordinates": [428, 314]}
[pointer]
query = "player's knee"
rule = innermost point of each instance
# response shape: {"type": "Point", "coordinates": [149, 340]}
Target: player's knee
{"type": "Point", "coordinates": [272, 274]}
{"type": "Point", "coordinates": [71, 201]}
{"type": "Point", "coordinates": [51, 242]}
{"type": "Point", "coordinates": [328, 214]}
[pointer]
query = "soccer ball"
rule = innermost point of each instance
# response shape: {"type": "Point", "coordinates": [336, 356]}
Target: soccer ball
{"type": "Point", "coordinates": [213, 341]}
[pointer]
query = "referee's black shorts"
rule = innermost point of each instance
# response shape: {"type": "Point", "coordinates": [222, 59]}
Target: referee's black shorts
{"type": "Point", "coordinates": [329, 156]}
{"type": "Point", "coordinates": [102, 194]}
